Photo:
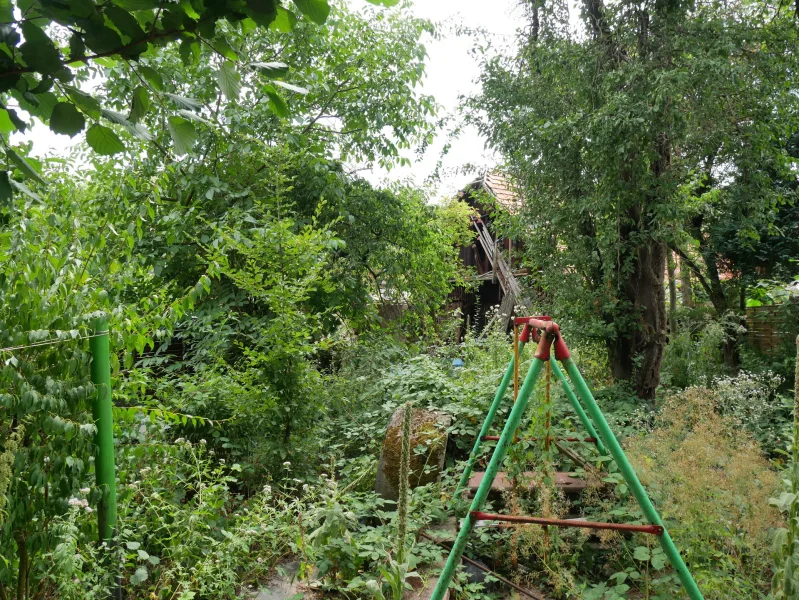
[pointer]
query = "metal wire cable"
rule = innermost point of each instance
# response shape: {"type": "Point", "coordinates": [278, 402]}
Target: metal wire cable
{"type": "Point", "coordinates": [52, 342]}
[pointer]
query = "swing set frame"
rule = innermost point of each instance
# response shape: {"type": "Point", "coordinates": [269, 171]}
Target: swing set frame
{"type": "Point", "coordinates": [551, 349]}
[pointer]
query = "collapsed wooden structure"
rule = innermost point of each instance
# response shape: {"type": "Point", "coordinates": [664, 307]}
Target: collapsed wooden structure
{"type": "Point", "coordinates": [495, 259]}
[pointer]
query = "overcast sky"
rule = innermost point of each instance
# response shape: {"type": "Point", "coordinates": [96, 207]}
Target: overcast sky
{"type": "Point", "coordinates": [451, 72]}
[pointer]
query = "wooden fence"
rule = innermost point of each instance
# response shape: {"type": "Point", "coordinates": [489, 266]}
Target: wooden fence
{"type": "Point", "coordinates": [771, 327]}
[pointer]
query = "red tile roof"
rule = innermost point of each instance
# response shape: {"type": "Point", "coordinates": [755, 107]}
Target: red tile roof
{"type": "Point", "coordinates": [503, 189]}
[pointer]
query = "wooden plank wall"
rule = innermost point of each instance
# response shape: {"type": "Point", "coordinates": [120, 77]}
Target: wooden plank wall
{"type": "Point", "coordinates": [770, 328]}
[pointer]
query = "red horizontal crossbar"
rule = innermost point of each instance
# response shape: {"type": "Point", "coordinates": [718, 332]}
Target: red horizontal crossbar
{"type": "Point", "coordinates": [653, 529]}
{"type": "Point", "coordinates": [495, 438]}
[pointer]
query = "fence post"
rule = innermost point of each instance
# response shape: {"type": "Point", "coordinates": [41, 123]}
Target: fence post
{"type": "Point", "coordinates": [104, 438]}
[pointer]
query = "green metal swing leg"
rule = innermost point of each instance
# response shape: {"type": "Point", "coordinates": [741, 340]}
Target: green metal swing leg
{"type": "Point", "coordinates": [489, 421]}
{"type": "Point", "coordinates": [505, 440]}
{"type": "Point", "coordinates": [631, 478]}
{"type": "Point", "coordinates": [578, 408]}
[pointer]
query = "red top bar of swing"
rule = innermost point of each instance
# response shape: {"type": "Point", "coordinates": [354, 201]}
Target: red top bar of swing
{"type": "Point", "coordinates": [653, 529]}
{"type": "Point", "coordinates": [535, 322]}
{"type": "Point", "coordinates": [495, 438]}
{"type": "Point", "coordinates": [550, 329]}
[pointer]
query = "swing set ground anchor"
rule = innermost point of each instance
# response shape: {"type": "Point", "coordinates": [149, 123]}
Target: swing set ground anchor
{"type": "Point", "coordinates": [651, 529]}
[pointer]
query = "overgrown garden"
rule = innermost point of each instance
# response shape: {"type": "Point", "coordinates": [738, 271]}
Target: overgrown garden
{"type": "Point", "coordinates": [270, 309]}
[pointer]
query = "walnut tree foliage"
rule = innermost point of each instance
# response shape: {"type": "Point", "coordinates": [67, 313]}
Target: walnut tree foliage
{"type": "Point", "coordinates": [48, 49]}
{"type": "Point", "coordinates": [632, 136]}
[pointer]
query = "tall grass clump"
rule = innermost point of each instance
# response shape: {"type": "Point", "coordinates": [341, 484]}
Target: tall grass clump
{"type": "Point", "coordinates": [710, 480]}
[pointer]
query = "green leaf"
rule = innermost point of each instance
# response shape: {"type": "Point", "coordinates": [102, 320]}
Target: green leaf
{"type": "Point", "coordinates": [277, 104]}
{"type": "Point", "coordinates": [103, 140]}
{"type": "Point", "coordinates": [316, 10]}
{"type": "Point", "coordinates": [262, 12]}
{"type": "Point", "coordinates": [38, 51]}
{"type": "Point", "coordinates": [221, 45]}
{"type": "Point", "coordinates": [139, 576]}
{"type": "Point", "coordinates": [115, 117]}
{"type": "Point", "coordinates": [187, 103]}
{"type": "Point", "coordinates": [140, 104]}
{"type": "Point", "coordinates": [82, 9]}
{"type": "Point", "coordinates": [24, 166]}
{"type": "Point", "coordinates": [189, 10]}
{"type": "Point", "coordinates": [284, 21]}
{"type": "Point", "coordinates": [5, 187]}
{"type": "Point", "coordinates": [140, 131]}
{"type": "Point", "coordinates": [383, 2]}
{"type": "Point", "coordinates": [66, 119]}
{"type": "Point", "coordinates": [45, 103]}
{"type": "Point", "coordinates": [133, 545]}
{"type": "Point", "coordinates": [138, 4]}
{"type": "Point", "coordinates": [6, 124]}
{"type": "Point", "coordinates": [194, 117]}
{"type": "Point", "coordinates": [84, 101]}
{"type": "Point", "coordinates": [21, 187]}
{"type": "Point", "coordinates": [6, 11]}
{"type": "Point", "coordinates": [271, 69]}
{"type": "Point", "coordinates": [784, 502]}
{"type": "Point", "coordinates": [229, 81]}
{"type": "Point", "coordinates": [18, 123]}
{"type": "Point", "coordinates": [45, 85]}
{"type": "Point", "coordinates": [641, 553]}
{"type": "Point", "coordinates": [125, 23]}
{"type": "Point", "coordinates": [183, 133]}
{"type": "Point", "coordinates": [189, 50]}
{"type": "Point", "coordinates": [658, 559]}
{"type": "Point", "coordinates": [153, 77]}
{"type": "Point", "coordinates": [76, 48]}
{"type": "Point", "coordinates": [291, 87]}
{"type": "Point", "coordinates": [101, 39]}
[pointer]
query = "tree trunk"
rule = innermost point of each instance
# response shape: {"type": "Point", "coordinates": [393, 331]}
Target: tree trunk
{"type": "Point", "coordinates": [730, 348]}
{"type": "Point", "coordinates": [687, 287]}
{"type": "Point", "coordinates": [650, 342]}
{"type": "Point", "coordinates": [672, 294]}
{"type": "Point", "coordinates": [636, 353]}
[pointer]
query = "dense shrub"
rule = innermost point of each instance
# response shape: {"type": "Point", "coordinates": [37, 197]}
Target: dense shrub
{"type": "Point", "coordinates": [712, 484]}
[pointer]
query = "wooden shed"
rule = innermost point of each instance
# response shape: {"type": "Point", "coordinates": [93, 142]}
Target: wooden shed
{"type": "Point", "coordinates": [495, 260]}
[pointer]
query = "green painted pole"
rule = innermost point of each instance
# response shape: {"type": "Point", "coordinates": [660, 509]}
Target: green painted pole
{"type": "Point", "coordinates": [631, 478]}
{"type": "Point", "coordinates": [578, 408]}
{"type": "Point", "coordinates": [489, 421]}
{"type": "Point", "coordinates": [505, 440]}
{"type": "Point", "coordinates": [104, 439]}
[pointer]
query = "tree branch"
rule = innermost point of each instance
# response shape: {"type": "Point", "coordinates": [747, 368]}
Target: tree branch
{"type": "Point", "coordinates": [694, 267]}
{"type": "Point", "coordinates": [326, 105]}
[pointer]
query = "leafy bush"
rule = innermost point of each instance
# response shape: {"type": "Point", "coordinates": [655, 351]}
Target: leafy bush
{"type": "Point", "coordinates": [693, 356]}
{"type": "Point", "coordinates": [178, 536]}
{"type": "Point", "coordinates": [753, 401]}
{"type": "Point", "coordinates": [711, 483]}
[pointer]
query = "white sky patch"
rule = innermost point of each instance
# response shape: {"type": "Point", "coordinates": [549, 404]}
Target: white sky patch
{"type": "Point", "coordinates": [451, 72]}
